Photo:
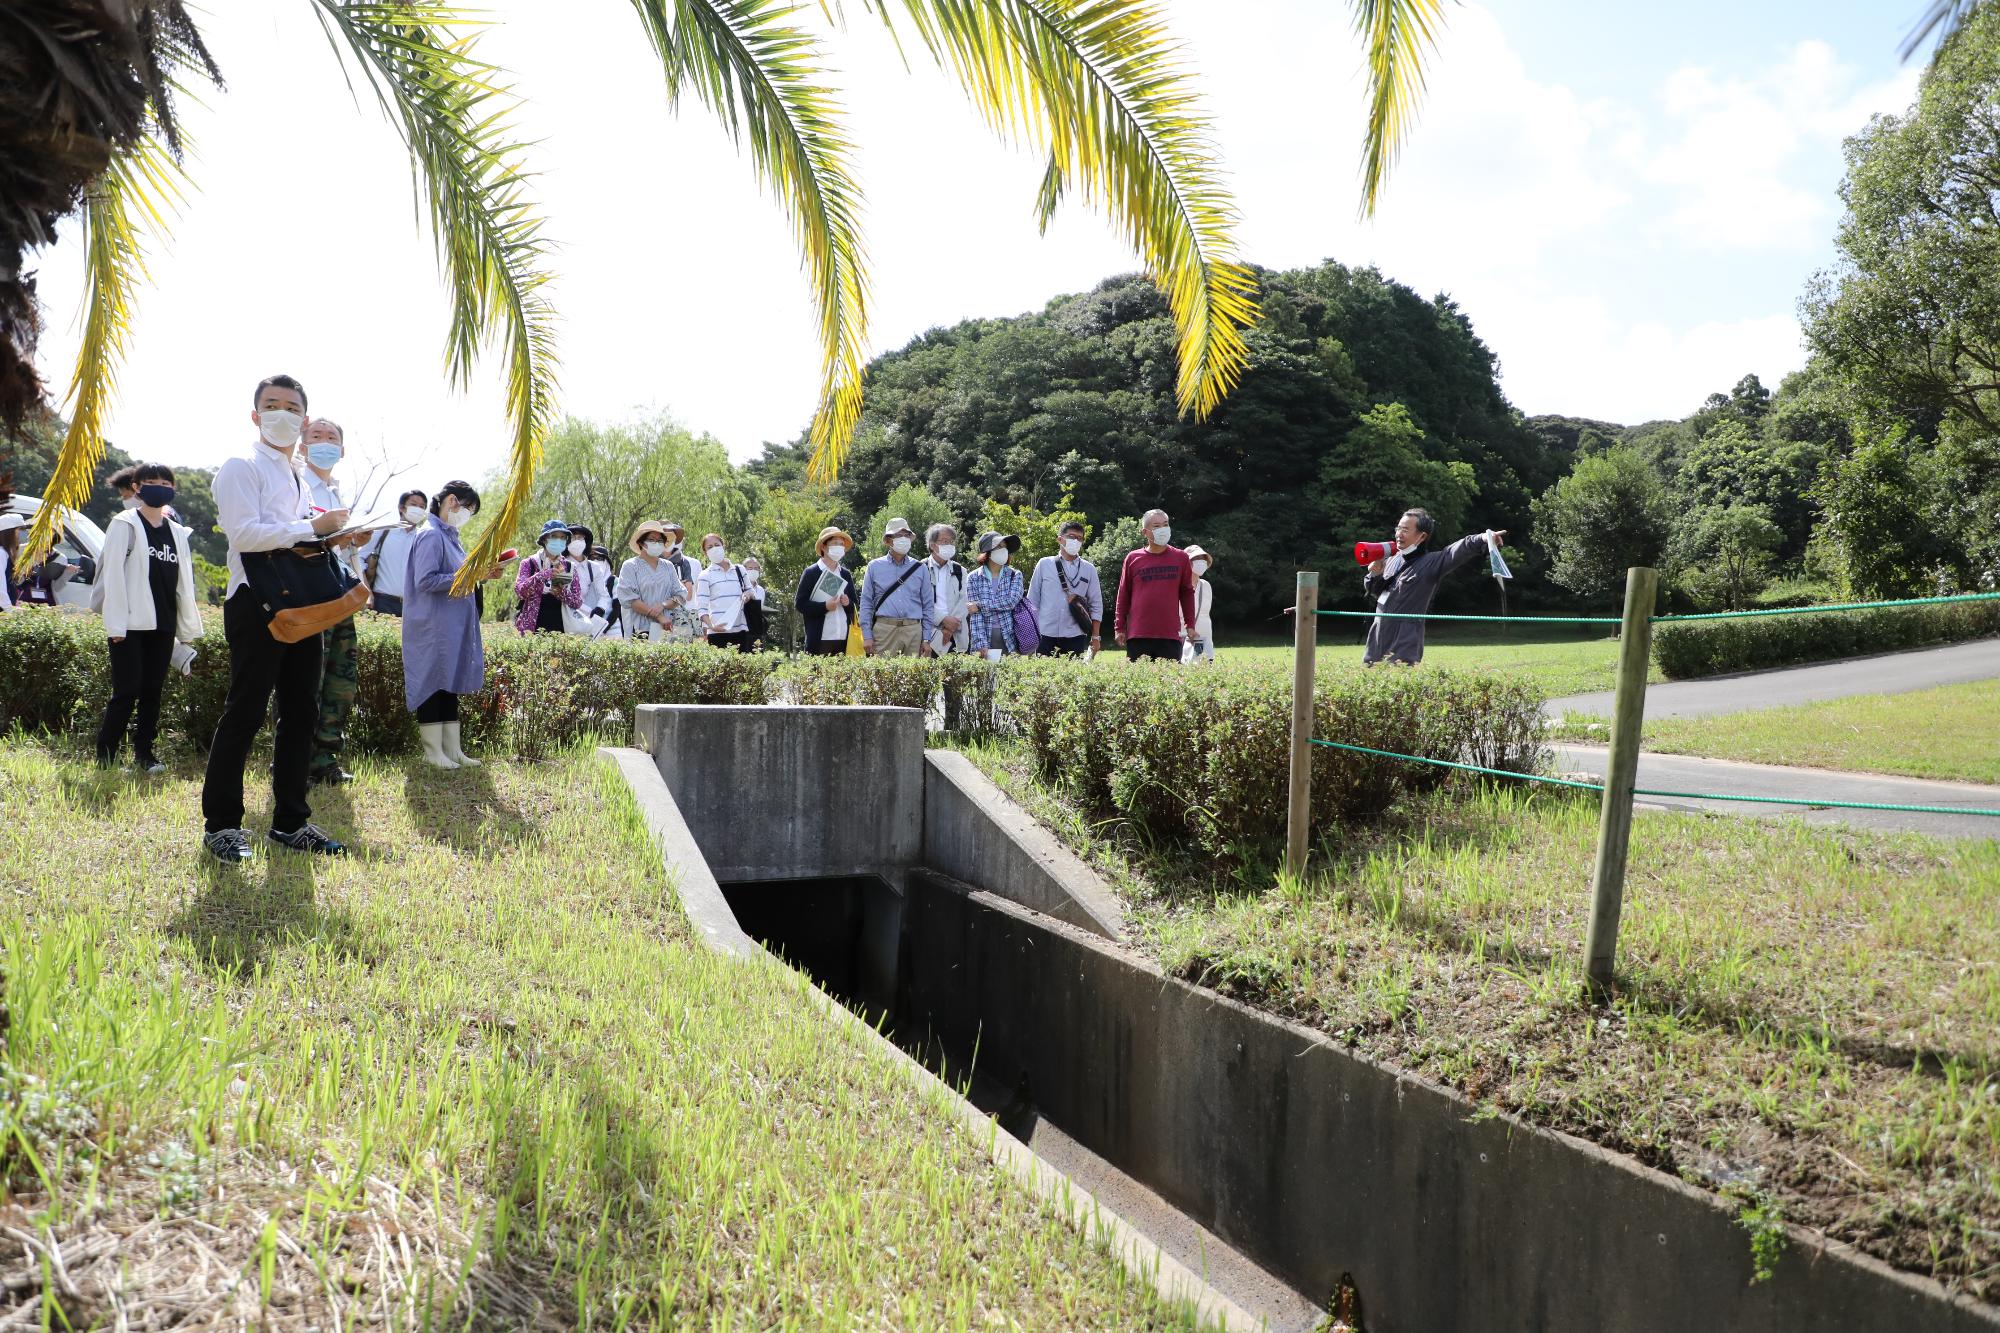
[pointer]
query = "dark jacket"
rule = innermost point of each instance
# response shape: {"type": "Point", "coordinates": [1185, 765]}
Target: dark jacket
{"type": "Point", "coordinates": [814, 613]}
{"type": "Point", "coordinates": [1410, 593]}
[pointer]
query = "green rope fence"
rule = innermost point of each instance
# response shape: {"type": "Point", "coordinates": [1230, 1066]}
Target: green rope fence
{"type": "Point", "coordinates": [1810, 801]}
{"type": "Point", "coordinates": [1666, 620]}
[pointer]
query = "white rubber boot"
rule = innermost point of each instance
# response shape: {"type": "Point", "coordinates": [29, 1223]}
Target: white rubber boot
{"type": "Point", "coordinates": [454, 749]}
{"type": "Point", "coordinates": [434, 750]}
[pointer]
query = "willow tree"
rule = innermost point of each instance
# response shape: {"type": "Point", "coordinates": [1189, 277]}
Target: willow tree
{"type": "Point", "coordinates": [88, 122]}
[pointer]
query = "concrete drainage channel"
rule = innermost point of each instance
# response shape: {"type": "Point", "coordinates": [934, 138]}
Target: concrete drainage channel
{"type": "Point", "coordinates": [1233, 1158]}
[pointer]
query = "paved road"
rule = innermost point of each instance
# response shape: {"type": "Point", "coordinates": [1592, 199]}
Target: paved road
{"type": "Point", "coordinates": [1673, 772]}
{"type": "Point", "coordinates": [1890, 673]}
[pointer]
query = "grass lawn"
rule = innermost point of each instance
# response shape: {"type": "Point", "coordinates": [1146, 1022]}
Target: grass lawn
{"type": "Point", "coordinates": [1562, 665]}
{"type": "Point", "coordinates": [477, 1075]}
{"type": "Point", "coordinates": [1949, 732]}
{"type": "Point", "coordinates": [1808, 1019]}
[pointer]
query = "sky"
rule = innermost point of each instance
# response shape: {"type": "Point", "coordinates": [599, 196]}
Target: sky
{"type": "Point", "coordinates": [1626, 201]}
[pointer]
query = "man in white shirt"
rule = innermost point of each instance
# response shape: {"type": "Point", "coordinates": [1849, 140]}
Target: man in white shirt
{"type": "Point", "coordinates": [389, 555]}
{"type": "Point", "coordinates": [947, 578]}
{"type": "Point", "coordinates": [720, 591]}
{"type": "Point", "coordinates": [324, 445]}
{"type": "Point", "coordinates": [262, 504]}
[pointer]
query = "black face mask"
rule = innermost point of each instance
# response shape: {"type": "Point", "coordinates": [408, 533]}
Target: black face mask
{"type": "Point", "coordinates": [155, 495]}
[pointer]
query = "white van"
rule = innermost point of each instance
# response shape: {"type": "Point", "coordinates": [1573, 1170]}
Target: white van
{"type": "Point", "coordinates": [81, 544]}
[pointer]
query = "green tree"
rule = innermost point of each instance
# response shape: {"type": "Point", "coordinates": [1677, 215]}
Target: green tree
{"type": "Point", "coordinates": [1379, 470]}
{"type": "Point", "coordinates": [1038, 531]}
{"type": "Point", "coordinates": [783, 535]}
{"type": "Point", "coordinates": [1879, 522]}
{"type": "Point", "coordinates": [1120, 538]}
{"type": "Point", "coordinates": [612, 476]}
{"type": "Point", "coordinates": [1731, 466]}
{"type": "Point", "coordinates": [1910, 312]}
{"type": "Point", "coordinates": [1724, 553]}
{"type": "Point", "coordinates": [915, 505]}
{"type": "Point", "coordinates": [1102, 94]}
{"type": "Point", "coordinates": [1607, 516]}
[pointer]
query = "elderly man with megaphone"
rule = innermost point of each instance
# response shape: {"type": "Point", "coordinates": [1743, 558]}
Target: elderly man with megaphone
{"type": "Point", "coordinates": [1402, 579]}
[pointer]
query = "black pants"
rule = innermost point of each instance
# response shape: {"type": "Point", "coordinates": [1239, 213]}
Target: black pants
{"type": "Point", "coordinates": [1160, 650]}
{"type": "Point", "coordinates": [440, 707]}
{"type": "Point", "coordinates": [388, 604]}
{"type": "Point", "coordinates": [829, 648]}
{"type": "Point", "coordinates": [1074, 645]}
{"type": "Point", "coordinates": [138, 670]}
{"type": "Point", "coordinates": [259, 664]}
{"type": "Point", "coordinates": [740, 641]}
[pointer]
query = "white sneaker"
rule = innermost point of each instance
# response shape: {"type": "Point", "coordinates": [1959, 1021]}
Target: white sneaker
{"type": "Point", "coordinates": [456, 750]}
{"type": "Point", "coordinates": [434, 751]}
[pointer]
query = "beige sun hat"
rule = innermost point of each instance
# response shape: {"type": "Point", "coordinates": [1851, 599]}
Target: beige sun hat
{"type": "Point", "coordinates": [828, 534]}
{"type": "Point", "coordinates": [652, 525]}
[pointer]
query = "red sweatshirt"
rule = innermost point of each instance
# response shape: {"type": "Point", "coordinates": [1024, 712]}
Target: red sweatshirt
{"type": "Point", "coordinates": [1155, 594]}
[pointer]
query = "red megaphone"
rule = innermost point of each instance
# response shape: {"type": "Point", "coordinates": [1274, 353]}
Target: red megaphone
{"type": "Point", "coordinates": [1367, 553]}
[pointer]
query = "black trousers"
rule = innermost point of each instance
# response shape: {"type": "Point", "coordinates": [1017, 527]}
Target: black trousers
{"type": "Point", "coordinates": [259, 664]}
{"type": "Point", "coordinates": [830, 648]}
{"type": "Point", "coordinates": [740, 641]}
{"type": "Point", "coordinates": [138, 669]}
{"type": "Point", "coordinates": [1073, 645]}
{"type": "Point", "coordinates": [442, 706]}
{"type": "Point", "coordinates": [388, 604]}
{"type": "Point", "coordinates": [1160, 650]}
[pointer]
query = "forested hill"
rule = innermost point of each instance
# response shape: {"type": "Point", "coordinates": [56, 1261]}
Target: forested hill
{"type": "Point", "coordinates": [1361, 399]}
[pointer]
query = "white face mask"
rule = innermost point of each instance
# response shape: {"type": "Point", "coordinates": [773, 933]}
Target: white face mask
{"type": "Point", "coordinates": [717, 555]}
{"type": "Point", "coordinates": [458, 517]}
{"type": "Point", "coordinates": [946, 551]}
{"type": "Point", "coordinates": [999, 556]}
{"type": "Point", "coordinates": [576, 547]}
{"type": "Point", "coordinates": [280, 428]}
{"type": "Point", "coordinates": [1200, 567]}
{"type": "Point", "coordinates": [836, 552]}
{"type": "Point", "coordinates": [753, 574]}
{"type": "Point", "coordinates": [1071, 546]}
{"type": "Point", "coordinates": [677, 548]}
{"type": "Point", "coordinates": [654, 549]}
{"type": "Point", "coordinates": [1163, 534]}
{"type": "Point", "coordinates": [900, 545]}
{"type": "Point", "coordinates": [414, 513]}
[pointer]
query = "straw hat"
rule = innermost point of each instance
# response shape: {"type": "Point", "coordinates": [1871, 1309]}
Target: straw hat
{"type": "Point", "coordinates": [828, 534]}
{"type": "Point", "coordinates": [653, 526]}
{"type": "Point", "coordinates": [1197, 553]}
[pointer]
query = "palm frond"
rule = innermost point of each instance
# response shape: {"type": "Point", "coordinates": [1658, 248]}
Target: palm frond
{"type": "Point", "coordinates": [1096, 83]}
{"type": "Point", "coordinates": [1943, 17]}
{"type": "Point", "coordinates": [123, 210]}
{"type": "Point", "coordinates": [453, 112]}
{"type": "Point", "coordinates": [763, 78]}
{"type": "Point", "coordinates": [1397, 35]}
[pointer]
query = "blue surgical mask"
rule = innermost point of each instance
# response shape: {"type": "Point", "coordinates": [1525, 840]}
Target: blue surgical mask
{"type": "Point", "coordinates": [554, 545]}
{"type": "Point", "coordinates": [323, 455]}
{"type": "Point", "coordinates": [155, 495]}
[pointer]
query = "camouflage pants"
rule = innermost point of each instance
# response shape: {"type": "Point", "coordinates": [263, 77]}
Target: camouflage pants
{"type": "Point", "coordinates": [339, 682]}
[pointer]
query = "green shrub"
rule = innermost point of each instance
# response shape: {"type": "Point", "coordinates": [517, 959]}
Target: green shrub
{"type": "Point", "coordinates": [1711, 647]}
{"type": "Point", "coordinates": [1205, 754]}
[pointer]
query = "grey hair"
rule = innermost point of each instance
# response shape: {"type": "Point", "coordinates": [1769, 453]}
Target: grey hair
{"type": "Point", "coordinates": [1146, 519]}
{"type": "Point", "coordinates": [936, 530]}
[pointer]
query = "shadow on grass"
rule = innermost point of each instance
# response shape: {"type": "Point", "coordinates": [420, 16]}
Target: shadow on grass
{"type": "Point", "coordinates": [237, 919]}
{"type": "Point", "coordinates": [464, 810]}
{"type": "Point", "coordinates": [89, 789]}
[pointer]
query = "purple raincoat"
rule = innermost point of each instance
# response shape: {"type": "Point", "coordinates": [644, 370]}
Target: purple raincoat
{"type": "Point", "coordinates": [441, 648]}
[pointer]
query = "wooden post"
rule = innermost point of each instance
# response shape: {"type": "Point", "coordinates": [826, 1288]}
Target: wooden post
{"type": "Point", "coordinates": [1614, 829]}
{"type": "Point", "coordinates": [1305, 640]}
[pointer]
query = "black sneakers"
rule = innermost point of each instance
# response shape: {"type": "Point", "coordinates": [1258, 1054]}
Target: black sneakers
{"type": "Point", "coordinates": [231, 846]}
{"type": "Point", "coordinates": [309, 838]}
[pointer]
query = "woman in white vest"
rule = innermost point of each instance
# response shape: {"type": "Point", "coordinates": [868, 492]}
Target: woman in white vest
{"type": "Point", "coordinates": [147, 576]}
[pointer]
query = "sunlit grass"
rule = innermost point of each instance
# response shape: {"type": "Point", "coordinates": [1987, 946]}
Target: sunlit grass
{"type": "Point", "coordinates": [1951, 732]}
{"type": "Point", "coordinates": [477, 1071]}
{"type": "Point", "coordinates": [1807, 1016]}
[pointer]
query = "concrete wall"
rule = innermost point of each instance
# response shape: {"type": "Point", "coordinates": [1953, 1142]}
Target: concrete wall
{"type": "Point", "coordinates": [973, 831]}
{"type": "Point", "coordinates": [1318, 1162]}
{"type": "Point", "coordinates": [794, 793]}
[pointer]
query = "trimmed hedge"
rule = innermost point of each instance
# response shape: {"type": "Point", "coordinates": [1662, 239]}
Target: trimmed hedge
{"type": "Point", "coordinates": [1713, 647]}
{"type": "Point", "coordinates": [1200, 753]}
{"type": "Point", "coordinates": [1205, 754]}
